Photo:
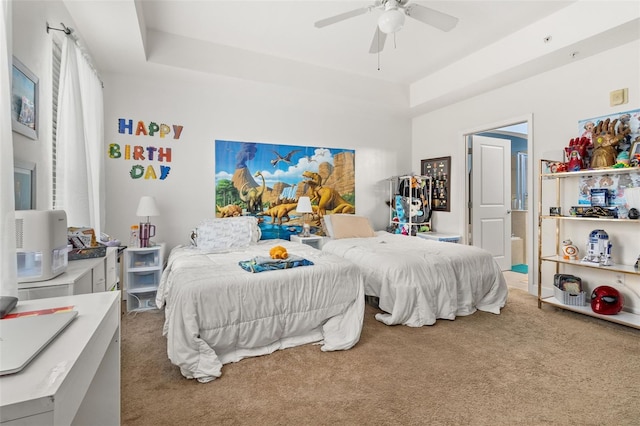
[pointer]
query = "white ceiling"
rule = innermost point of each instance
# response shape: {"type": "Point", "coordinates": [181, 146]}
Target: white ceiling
{"type": "Point", "coordinates": [285, 29]}
{"type": "Point", "coordinates": [276, 41]}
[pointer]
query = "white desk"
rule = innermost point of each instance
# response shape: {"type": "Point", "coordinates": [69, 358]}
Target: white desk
{"type": "Point", "coordinates": [76, 378]}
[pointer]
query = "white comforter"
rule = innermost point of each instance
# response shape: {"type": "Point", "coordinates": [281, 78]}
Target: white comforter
{"type": "Point", "coordinates": [216, 312]}
{"type": "Point", "coordinates": [419, 281]}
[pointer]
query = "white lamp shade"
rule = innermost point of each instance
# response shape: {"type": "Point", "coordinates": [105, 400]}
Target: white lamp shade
{"type": "Point", "coordinates": [391, 21]}
{"type": "Point", "coordinates": [304, 205]}
{"type": "Point", "coordinates": [147, 207]}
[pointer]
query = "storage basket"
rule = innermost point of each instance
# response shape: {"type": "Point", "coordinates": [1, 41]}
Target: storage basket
{"type": "Point", "coordinates": [87, 253]}
{"type": "Point", "coordinates": [568, 298]}
{"type": "Point", "coordinates": [142, 301]}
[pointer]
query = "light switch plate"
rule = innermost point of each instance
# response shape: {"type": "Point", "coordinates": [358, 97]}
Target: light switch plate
{"type": "Point", "coordinates": [618, 97]}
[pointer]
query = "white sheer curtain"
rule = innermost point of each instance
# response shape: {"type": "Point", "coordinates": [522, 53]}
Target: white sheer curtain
{"type": "Point", "coordinates": [8, 268]}
{"type": "Point", "coordinates": [80, 163]}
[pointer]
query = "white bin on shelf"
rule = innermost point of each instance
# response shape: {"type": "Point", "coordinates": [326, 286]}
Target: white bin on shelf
{"type": "Point", "coordinates": [568, 298]}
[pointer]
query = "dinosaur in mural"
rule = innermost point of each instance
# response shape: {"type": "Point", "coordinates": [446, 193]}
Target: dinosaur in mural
{"type": "Point", "coordinates": [279, 212]}
{"type": "Point", "coordinates": [253, 196]}
{"type": "Point", "coordinates": [284, 158]}
{"type": "Point", "coordinates": [327, 198]}
{"type": "Point", "coordinates": [230, 210]}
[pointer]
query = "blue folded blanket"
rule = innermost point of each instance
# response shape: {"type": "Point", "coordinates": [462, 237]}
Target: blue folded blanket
{"type": "Point", "coordinates": [261, 263]}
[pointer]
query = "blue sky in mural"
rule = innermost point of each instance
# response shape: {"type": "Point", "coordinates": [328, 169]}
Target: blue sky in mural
{"type": "Point", "coordinates": [278, 163]}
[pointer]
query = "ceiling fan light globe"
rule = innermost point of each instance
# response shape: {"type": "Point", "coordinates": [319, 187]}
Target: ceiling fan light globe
{"type": "Point", "coordinates": [391, 21]}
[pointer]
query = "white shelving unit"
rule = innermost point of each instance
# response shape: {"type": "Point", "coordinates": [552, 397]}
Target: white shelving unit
{"type": "Point", "coordinates": [142, 273]}
{"type": "Point", "coordinates": [565, 224]}
{"type": "Point", "coordinates": [394, 184]}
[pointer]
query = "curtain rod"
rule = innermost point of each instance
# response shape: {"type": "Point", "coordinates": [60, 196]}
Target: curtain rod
{"type": "Point", "coordinates": [64, 29]}
{"type": "Point", "coordinates": [69, 31]}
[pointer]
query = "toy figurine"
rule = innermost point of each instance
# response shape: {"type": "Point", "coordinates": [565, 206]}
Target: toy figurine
{"type": "Point", "coordinates": [569, 250]}
{"type": "Point", "coordinates": [576, 153]}
{"type": "Point", "coordinates": [623, 158]}
{"type": "Point", "coordinates": [557, 167]}
{"type": "Point", "coordinates": [598, 247]}
{"type": "Point", "coordinates": [575, 161]}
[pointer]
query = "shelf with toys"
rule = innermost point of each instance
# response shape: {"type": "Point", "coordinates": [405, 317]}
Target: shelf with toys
{"type": "Point", "coordinates": [606, 268]}
{"type": "Point", "coordinates": [410, 204]}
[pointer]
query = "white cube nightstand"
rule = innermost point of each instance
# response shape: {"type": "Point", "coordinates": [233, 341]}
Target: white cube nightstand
{"type": "Point", "coordinates": [314, 241]}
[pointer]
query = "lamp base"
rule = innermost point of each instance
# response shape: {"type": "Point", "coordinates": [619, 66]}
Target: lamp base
{"type": "Point", "coordinates": [306, 230]}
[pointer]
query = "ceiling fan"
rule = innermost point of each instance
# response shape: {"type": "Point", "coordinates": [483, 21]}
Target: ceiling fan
{"type": "Point", "coordinates": [392, 19]}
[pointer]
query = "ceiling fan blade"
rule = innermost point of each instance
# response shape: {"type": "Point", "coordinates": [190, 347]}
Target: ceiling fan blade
{"type": "Point", "coordinates": [377, 44]}
{"type": "Point", "coordinates": [341, 17]}
{"type": "Point", "coordinates": [432, 17]}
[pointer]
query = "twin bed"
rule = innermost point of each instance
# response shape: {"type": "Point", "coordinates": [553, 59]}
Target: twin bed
{"type": "Point", "coordinates": [417, 281]}
{"type": "Point", "coordinates": [216, 312]}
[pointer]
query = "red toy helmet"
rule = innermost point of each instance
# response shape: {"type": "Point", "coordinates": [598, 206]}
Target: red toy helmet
{"type": "Point", "coordinates": [606, 300]}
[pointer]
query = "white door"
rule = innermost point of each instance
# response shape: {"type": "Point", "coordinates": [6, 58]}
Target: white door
{"type": "Point", "coordinates": [491, 197]}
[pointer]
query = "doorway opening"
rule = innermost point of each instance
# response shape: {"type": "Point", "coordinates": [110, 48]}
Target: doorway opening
{"type": "Point", "coordinates": [510, 224]}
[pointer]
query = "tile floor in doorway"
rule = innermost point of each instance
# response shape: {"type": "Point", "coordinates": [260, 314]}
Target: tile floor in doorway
{"type": "Point", "coordinates": [516, 280]}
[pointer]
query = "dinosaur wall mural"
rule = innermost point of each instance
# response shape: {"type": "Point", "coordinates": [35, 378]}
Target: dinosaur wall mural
{"type": "Point", "coordinates": [285, 173]}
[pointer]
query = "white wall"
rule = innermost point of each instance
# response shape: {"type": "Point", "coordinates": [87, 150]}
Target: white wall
{"type": "Point", "coordinates": [557, 99]}
{"type": "Point", "coordinates": [210, 108]}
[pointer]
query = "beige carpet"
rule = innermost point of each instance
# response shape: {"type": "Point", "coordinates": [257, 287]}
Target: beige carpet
{"type": "Point", "coordinates": [526, 366]}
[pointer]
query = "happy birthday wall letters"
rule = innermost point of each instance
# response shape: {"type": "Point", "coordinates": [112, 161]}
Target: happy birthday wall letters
{"type": "Point", "coordinates": [148, 153]}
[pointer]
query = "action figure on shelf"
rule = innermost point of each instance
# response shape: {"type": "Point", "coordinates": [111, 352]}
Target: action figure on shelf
{"type": "Point", "coordinates": [569, 250]}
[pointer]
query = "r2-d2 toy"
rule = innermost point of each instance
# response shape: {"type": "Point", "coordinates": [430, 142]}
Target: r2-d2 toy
{"type": "Point", "coordinates": [598, 248]}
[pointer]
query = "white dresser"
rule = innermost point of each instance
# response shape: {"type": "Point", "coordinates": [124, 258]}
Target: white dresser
{"type": "Point", "coordinates": [81, 277]}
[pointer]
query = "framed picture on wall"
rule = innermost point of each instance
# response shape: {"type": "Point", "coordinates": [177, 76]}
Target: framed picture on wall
{"type": "Point", "coordinates": [24, 100]}
{"type": "Point", "coordinates": [439, 170]}
{"type": "Point", "coordinates": [24, 183]}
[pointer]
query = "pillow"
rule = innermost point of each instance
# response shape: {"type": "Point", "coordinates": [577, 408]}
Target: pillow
{"type": "Point", "coordinates": [325, 221]}
{"type": "Point", "coordinates": [227, 234]}
{"type": "Point", "coordinates": [350, 226]}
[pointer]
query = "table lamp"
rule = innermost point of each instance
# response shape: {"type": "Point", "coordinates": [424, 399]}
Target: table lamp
{"type": "Point", "coordinates": [147, 207]}
{"type": "Point", "coordinates": [304, 207]}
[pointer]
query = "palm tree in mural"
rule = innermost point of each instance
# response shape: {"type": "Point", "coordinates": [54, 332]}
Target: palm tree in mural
{"type": "Point", "coordinates": [226, 193]}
